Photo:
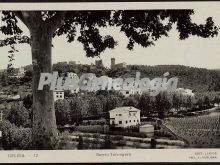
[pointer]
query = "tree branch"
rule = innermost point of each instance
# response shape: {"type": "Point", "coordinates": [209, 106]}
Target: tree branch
{"type": "Point", "coordinates": [30, 18]}
{"type": "Point", "coordinates": [20, 16]}
{"type": "Point", "coordinates": [56, 21]}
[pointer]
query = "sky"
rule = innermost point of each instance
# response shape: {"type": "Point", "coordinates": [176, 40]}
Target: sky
{"type": "Point", "coordinates": [194, 51]}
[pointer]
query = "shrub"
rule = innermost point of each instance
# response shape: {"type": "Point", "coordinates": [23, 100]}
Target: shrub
{"type": "Point", "coordinates": [162, 133]}
{"type": "Point", "coordinates": [80, 144]}
{"type": "Point", "coordinates": [14, 137]}
{"type": "Point", "coordinates": [136, 144]}
{"type": "Point", "coordinates": [22, 138]}
{"type": "Point", "coordinates": [153, 143]}
{"type": "Point", "coordinates": [121, 143]}
{"type": "Point", "coordinates": [127, 129]}
{"type": "Point", "coordinates": [132, 134]}
{"type": "Point", "coordinates": [65, 142]}
{"type": "Point", "coordinates": [108, 144]}
{"type": "Point", "coordinates": [93, 128]}
{"type": "Point", "coordinates": [19, 115]}
{"type": "Point", "coordinates": [118, 137]}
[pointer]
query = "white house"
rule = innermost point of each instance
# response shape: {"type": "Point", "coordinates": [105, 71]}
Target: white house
{"type": "Point", "coordinates": [71, 74]}
{"type": "Point", "coordinates": [124, 116]}
{"type": "Point", "coordinates": [186, 92]}
{"type": "Point", "coordinates": [127, 93]}
{"type": "Point", "coordinates": [58, 95]}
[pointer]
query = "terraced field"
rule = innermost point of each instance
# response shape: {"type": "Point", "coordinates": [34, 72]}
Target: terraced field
{"type": "Point", "coordinates": [199, 132]}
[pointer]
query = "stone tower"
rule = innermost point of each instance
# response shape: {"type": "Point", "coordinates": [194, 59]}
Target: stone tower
{"type": "Point", "coordinates": [112, 63]}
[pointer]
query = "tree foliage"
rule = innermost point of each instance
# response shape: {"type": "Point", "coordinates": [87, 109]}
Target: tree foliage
{"type": "Point", "coordinates": [143, 27]}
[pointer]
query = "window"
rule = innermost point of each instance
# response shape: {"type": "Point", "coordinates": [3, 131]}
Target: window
{"type": "Point", "coordinates": [129, 120]}
{"type": "Point", "coordinates": [137, 120]}
{"type": "Point", "coordinates": [134, 120]}
{"type": "Point", "coordinates": [120, 122]}
{"type": "Point", "coordinates": [126, 121]}
{"type": "Point", "coordinates": [127, 92]}
{"type": "Point", "coordinates": [119, 114]}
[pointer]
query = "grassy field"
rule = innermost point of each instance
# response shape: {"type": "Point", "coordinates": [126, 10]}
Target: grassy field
{"type": "Point", "coordinates": [199, 132]}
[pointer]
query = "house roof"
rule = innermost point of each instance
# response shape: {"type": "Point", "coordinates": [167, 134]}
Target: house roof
{"type": "Point", "coordinates": [125, 109]}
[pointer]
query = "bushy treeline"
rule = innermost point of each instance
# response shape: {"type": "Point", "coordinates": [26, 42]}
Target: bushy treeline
{"type": "Point", "coordinates": [86, 106]}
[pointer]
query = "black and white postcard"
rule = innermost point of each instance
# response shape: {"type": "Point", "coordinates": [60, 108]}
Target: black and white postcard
{"type": "Point", "coordinates": [110, 82]}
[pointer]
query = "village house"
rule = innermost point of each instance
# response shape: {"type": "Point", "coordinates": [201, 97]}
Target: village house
{"type": "Point", "coordinates": [124, 117]}
{"type": "Point", "coordinates": [71, 74]}
{"type": "Point", "coordinates": [185, 92]}
{"type": "Point", "coordinates": [127, 93]}
{"type": "Point", "coordinates": [58, 95]}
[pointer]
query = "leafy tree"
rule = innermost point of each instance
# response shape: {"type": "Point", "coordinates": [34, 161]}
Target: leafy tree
{"type": "Point", "coordinates": [145, 104]}
{"type": "Point", "coordinates": [62, 109]}
{"type": "Point", "coordinates": [95, 106]}
{"type": "Point", "coordinates": [113, 101]}
{"type": "Point", "coordinates": [108, 144]}
{"type": "Point", "coordinates": [206, 101]}
{"type": "Point", "coordinates": [80, 144]}
{"type": "Point", "coordinates": [176, 101]}
{"type": "Point", "coordinates": [28, 101]}
{"type": "Point", "coordinates": [76, 107]}
{"type": "Point", "coordinates": [19, 115]}
{"type": "Point", "coordinates": [143, 27]}
{"type": "Point", "coordinates": [188, 103]}
{"type": "Point", "coordinates": [132, 100]}
{"type": "Point", "coordinates": [216, 100]}
{"type": "Point", "coordinates": [4, 79]}
{"type": "Point", "coordinates": [162, 105]}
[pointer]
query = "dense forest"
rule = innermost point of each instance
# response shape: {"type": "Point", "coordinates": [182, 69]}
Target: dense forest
{"type": "Point", "coordinates": [197, 79]}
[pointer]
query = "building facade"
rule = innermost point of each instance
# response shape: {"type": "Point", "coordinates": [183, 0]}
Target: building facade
{"type": "Point", "coordinates": [127, 93]}
{"type": "Point", "coordinates": [71, 74]}
{"type": "Point", "coordinates": [185, 92]}
{"type": "Point", "coordinates": [124, 117]}
{"type": "Point", "coordinates": [58, 95]}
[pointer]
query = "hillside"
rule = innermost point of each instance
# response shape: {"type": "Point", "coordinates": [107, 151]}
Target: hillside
{"type": "Point", "coordinates": [198, 79]}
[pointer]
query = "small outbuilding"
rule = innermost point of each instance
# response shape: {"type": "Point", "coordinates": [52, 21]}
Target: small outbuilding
{"type": "Point", "coordinates": [147, 129]}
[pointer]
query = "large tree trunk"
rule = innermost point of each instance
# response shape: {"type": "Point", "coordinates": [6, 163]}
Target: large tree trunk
{"type": "Point", "coordinates": [44, 120]}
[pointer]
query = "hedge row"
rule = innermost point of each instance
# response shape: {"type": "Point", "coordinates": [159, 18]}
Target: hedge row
{"type": "Point", "coordinates": [92, 128]}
